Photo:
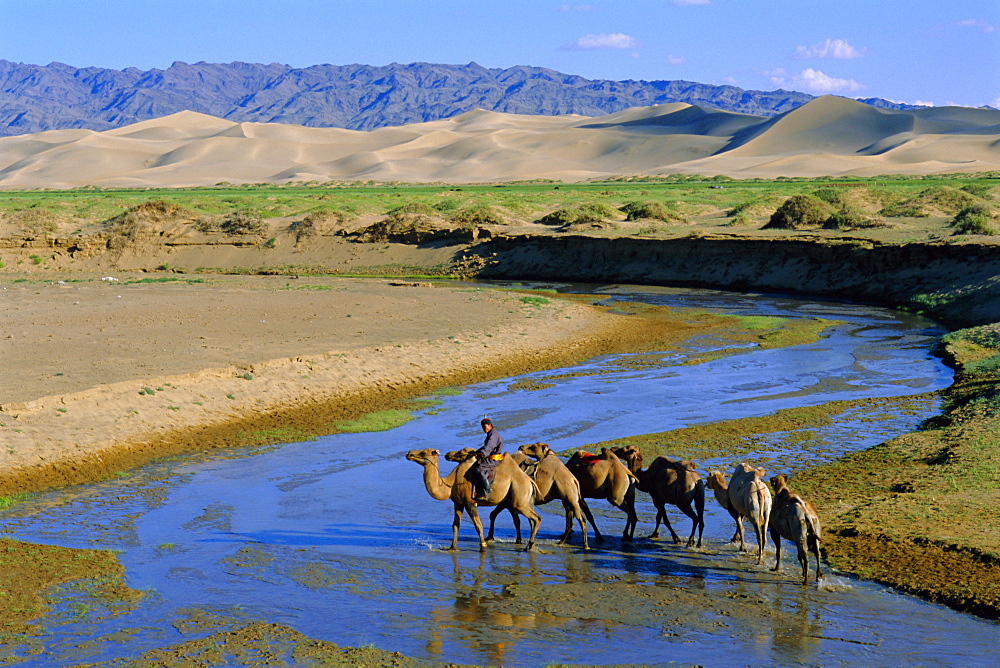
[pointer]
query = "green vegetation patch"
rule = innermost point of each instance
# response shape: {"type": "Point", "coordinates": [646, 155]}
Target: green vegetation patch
{"type": "Point", "coordinates": [377, 421]}
{"type": "Point", "coordinates": [29, 572]}
{"type": "Point", "coordinates": [727, 438]}
{"type": "Point", "coordinates": [800, 212]}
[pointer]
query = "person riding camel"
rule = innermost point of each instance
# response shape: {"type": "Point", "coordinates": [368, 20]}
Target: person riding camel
{"type": "Point", "coordinates": [487, 458]}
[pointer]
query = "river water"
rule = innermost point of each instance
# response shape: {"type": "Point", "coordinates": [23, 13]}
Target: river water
{"type": "Point", "coordinates": [338, 538]}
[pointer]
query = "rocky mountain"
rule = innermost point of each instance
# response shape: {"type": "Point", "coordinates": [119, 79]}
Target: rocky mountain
{"type": "Point", "coordinates": [35, 98]}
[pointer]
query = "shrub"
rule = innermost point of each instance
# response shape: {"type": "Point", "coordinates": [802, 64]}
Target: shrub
{"type": "Point", "coordinates": [850, 218]}
{"type": "Point", "coordinates": [976, 219]}
{"type": "Point", "coordinates": [126, 226]}
{"type": "Point", "coordinates": [243, 221]}
{"type": "Point", "coordinates": [928, 202]}
{"type": "Point", "coordinates": [649, 210]}
{"type": "Point", "coordinates": [565, 216]}
{"type": "Point", "coordinates": [35, 220]}
{"type": "Point", "coordinates": [798, 212]}
{"type": "Point", "coordinates": [478, 214]}
{"type": "Point", "coordinates": [412, 208]}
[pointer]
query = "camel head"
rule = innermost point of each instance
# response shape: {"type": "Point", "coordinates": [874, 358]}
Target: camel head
{"type": "Point", "coordinates": [537, 451]}
{"type": "Point", "coordinates": [424, 457]}
{"type": "Point", "coordinates": [780, 482]}
{"type": "Point", "coordinates": [460, 455]}
{"type": "Point", "coordinates": [630, 455]}
{"type": "Point", "coordinates": [716, 481]}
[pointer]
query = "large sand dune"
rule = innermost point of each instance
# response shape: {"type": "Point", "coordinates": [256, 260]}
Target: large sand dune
{"type": "Point", "coordinates": [828, 136]}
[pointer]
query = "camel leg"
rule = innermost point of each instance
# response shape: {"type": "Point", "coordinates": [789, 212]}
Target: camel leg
{"type": "Point", "coordinates": [777, 550]}
{"type": "Point", "coordinates": [699, 507]}
{"type": "Point", "coordinates": [534, 521]}
{"type": "Point", "coordinates": [815, 547]}
{"type": "Point", "coordinates": [493, 518]}
{"type": "Point", "coordinates": [513, 515]}
{"type": "Point", "coordinates": [590, 518]}
{"type": "Point", "coordinates": [569, 522]}
{"type": "Point", "coordinates": [455, 523]}
{"type": "Point", "coordinates": [758, 527]}
{"type": "Point", "coordinates": [474, 514]}
{"type": "Point", "coordinates": [803, 556]}
{"type": "Point", "coordinates": [739, 533]}
{"type": "Point", "coordinates": [578, 513]}
{"type": "Point", "coordinates": [628, 505]}
{"type": "Point", "coordinates": [686, 509]}
{"type": "Point", "coordinates": [666, 522]}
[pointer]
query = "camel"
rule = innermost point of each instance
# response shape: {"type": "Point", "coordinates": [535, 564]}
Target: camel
{"type": "Point", "coordinates": [746, 496]}
{"type": "Point", "coordinates": [673, 482]}
{"type": "Point", "coordinates": [554, 481]}
{"type": "Point", "coordinates": [604, 476]}
{"type": "Point", "coordinates": [794, 518]}
{"type": "Point", "coordinates": [464, 454]}
{"type": "Point", "coordinates": [511, 487]}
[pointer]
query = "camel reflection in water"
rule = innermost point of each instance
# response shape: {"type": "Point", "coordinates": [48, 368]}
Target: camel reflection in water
{"type": "Point", "coordinates": [475, 618]}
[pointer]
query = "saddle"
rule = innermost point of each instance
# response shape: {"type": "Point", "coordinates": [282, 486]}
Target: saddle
{"type": "Point", "coordinates": [497, 457]}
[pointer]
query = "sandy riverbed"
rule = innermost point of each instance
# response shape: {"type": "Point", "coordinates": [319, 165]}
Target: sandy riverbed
{"type": "Point", "coordinates": [103, 375]}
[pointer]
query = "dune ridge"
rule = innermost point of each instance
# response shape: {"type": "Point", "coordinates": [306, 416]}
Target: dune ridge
{"type": "Point", "coordinates": [828, 136]}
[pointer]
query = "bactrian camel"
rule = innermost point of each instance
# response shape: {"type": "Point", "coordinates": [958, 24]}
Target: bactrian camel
{"type": "Point", "coordinates": [794, 518]}
{"type": "Point", "coordinates": [745, 496]}
{"type": "Point", "coordinates": [604, 476]}
{"type": "Point", "coordinates": [462, 455]}
{"type": "Point", "coordinates": [511, 487]}
{"type": "Point", "coordinates": [554, 481]}
{"type": "Point", "coordinates": [669, 481]}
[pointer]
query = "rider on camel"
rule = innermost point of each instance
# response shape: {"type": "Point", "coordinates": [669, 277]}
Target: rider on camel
{"type": "Point", "coordinates": [487, 458]}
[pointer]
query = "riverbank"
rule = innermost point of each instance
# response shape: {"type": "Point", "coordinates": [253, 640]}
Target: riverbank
{"type": "Point", "coordinates": [149, 369]}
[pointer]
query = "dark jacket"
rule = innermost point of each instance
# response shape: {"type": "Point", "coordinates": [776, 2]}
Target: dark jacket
{"type": "Point", "coordinates": [492, 445]}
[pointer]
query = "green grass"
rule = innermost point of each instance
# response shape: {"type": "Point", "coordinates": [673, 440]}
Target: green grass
{"type": "Point", "coordinates": [241, 207]}
{"type": "Point", "coordinates": [377, 421]}
{"type": "Point", "coordinates": [14, 499]}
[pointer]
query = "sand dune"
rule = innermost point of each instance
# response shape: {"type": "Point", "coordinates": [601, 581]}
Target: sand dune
{"type": "Point", "coordinates": [827, 136]}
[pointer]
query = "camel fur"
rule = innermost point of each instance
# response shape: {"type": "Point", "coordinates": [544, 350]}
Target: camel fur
{"type": "Point", "coordinates": [669, 481]}
{"type": "Point", "coordinates": [554, 481]}
{"type": "Point", "coordinates": [794, 518]}
{"type": "Point", "coordinates": [464, 454]}
{"type": "Point", "coordinates": [511, 486]}
{"type": "Point", "coordinates": [745, 496]}
{"type": "Point", "coordinates": [604, 476]}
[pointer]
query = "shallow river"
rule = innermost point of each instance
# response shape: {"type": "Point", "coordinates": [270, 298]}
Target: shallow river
{"type": "Point", "coordinates": [338, 538]}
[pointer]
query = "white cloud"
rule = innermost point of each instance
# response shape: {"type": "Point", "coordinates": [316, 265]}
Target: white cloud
{"type": "Point", "coordinates": [983, 26]}
{"type": "Point", "coordinates": [686, 3]}
{"type": "Point", "coordinates": [923, 103]}
{"type": "Point", "coordinates": [830, 48]}
{"type": "Point", "coordinates": [615, 40]}
{"type": "Point", "coordinates": [813, 81]}
{"type": "Point", "coordinates": [576, 8]}
{"type": "Point", "coordinates": [675, 60]}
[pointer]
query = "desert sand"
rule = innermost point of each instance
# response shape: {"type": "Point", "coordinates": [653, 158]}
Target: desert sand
{"type": "Point", "coordinates": [829, 136]}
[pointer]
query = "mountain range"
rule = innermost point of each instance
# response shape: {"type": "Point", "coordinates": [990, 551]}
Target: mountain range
{"type": "Point", "coordinates": [35, 98]}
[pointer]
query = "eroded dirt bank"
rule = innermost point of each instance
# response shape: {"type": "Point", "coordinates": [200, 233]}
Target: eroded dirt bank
{"type": "Point", "coordinates": [955, 283]}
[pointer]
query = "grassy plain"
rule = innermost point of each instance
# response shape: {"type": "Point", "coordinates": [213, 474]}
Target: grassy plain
{"type": "Point", "coordinates": [894, 207]}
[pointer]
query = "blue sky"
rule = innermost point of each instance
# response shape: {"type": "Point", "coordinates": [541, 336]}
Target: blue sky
{"type": "Point", "coordinates": [918, 51]}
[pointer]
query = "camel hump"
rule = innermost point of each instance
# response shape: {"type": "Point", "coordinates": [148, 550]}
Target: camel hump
{"type": "Point", "coordinates": [584, 458]}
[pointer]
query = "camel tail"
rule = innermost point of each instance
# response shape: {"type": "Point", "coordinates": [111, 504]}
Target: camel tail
{"type": "Point", "coordinates": [763, 501]}
{"type": "Point", "coordinates": [813, 531]}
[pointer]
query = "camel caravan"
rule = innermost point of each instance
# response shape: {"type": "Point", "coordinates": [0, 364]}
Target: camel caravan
{"type": "Point", "coordinates": [535, 475]}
